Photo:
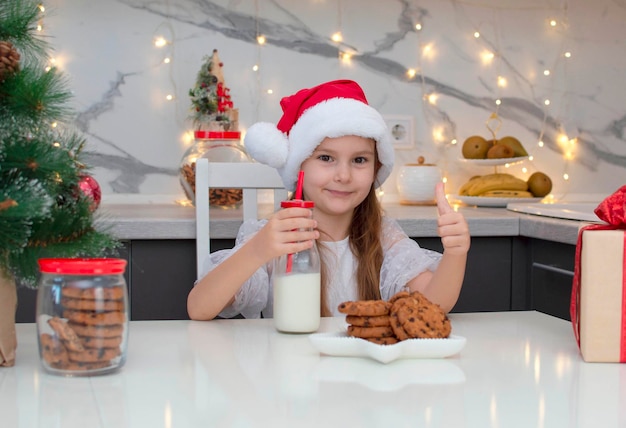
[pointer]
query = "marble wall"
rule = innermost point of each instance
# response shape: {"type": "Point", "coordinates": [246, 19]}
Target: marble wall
{"type": "Point", "coordinates": [564, 78]}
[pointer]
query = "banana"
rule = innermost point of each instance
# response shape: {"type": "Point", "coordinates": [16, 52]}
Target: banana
{"type": "Point", "coordinates": [463, 188]}
{"type": "Point", "coordinates": [497, 181]}
{"type": "Point", "coordinates": [507, 194]}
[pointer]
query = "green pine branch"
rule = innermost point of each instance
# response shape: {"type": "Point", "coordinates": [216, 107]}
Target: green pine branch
{"type": "Point", "coordinates": [36, 93]}
{"type": "Point", "coordinates": [43, 212]}
{"type": "Point", "coordinates": [18, 25]}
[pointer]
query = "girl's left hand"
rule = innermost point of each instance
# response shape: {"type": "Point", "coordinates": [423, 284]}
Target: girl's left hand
{"type": "Point", "coordinates": [451, 225]}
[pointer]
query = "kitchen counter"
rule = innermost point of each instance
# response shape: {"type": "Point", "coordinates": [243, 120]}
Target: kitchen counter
{"type": "Point", "coordinates": [517, 369]}
{"type": "Point", "coordinates": [172, 221]}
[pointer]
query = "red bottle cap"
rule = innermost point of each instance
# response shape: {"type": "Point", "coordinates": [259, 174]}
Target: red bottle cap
{"type": "Point", "coordinates": [82, 266]}
{"type": "Point", "coordinates": [297, 203]}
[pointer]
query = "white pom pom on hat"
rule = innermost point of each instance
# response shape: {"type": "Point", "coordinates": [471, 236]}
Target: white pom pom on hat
{"type": "Point", "coordinates": [266, 144]}
{"type": "Point", "coordinates": [333, 109]}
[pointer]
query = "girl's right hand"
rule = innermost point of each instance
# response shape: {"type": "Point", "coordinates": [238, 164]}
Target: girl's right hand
{"type": "Point", "coordinates": [287, 231]}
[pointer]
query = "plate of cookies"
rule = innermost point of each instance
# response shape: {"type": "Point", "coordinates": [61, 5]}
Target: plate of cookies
{"type": "Point", "coordinates": [406, 326]}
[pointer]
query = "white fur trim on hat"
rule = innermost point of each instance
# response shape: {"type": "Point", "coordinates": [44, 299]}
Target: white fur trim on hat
{"type": "Point", "coordinates": [336, 117]}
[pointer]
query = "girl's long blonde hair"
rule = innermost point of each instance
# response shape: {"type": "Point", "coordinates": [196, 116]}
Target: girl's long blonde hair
{"type": "Point", "coordinates": [365, 243]}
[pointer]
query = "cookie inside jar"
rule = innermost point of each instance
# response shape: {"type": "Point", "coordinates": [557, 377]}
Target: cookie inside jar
{"type": "Point", "coordinates": [216, 147]}
{"type": "Point", "coordinates": [82, 316]}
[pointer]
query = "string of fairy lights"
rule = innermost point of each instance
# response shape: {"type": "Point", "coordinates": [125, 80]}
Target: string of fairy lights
{"type": "Point", "coordinates": [490, 57]}
{"type": "Point", "coordinates": [488, 52]}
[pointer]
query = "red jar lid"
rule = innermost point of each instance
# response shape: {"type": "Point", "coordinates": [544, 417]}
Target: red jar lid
{"type": "Point", "coordinates": [83, 266]}
{"type": "Point", "coordinates": [217, 135]}
{"type": "Point", "coordinates": [297, 203]}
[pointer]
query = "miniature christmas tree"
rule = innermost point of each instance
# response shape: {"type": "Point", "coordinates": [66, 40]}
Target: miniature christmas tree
{"type": "Point", "coordinates": [211, 106]}
{"type": "Point", "coordinates": [47, 200]}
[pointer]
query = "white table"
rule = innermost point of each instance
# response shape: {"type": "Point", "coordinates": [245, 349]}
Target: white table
{"type": "Point", "coordinates": [518, 369]}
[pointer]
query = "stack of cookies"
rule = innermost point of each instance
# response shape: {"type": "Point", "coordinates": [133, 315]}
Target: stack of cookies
{"type": "Point", "coordinates": [90, 333]}
{"type": "Point", "coordinates": [405, 316]}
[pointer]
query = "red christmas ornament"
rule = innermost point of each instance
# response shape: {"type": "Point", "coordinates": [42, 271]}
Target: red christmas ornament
{"type": "Point", "coordinates": [91, 189]}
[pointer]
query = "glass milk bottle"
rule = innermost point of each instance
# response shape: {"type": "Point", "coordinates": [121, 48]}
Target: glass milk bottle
{"type": "Point", "coordinates": [297, 289]}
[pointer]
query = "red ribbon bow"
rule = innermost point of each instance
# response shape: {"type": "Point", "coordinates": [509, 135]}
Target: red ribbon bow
{"type": "Point", "coordinates": [612, 210]}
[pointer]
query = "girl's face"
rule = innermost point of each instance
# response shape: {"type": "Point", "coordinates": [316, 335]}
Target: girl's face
{"type": "Point", "coordinates": [339, 174]}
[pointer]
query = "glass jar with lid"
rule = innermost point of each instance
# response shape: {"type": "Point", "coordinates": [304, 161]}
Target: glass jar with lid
{"type": "Point", "coordinates": [82, 315]}
{"type": "Point", "coordinates": [216, 146]}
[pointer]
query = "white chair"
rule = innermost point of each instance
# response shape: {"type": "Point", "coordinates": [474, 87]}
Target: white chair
{"type": "Point", "coordinates": [248, 176]}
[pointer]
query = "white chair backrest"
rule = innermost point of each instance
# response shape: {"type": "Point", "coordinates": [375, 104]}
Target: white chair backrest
{"type": "Point", "coordinates": [248, 176]}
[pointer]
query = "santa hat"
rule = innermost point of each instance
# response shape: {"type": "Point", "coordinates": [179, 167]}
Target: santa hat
{"type": "Point", "coordinates": [333, 109]}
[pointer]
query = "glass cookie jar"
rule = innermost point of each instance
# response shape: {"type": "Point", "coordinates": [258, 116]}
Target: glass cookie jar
{"type": "Point", "coordinates": [216, 146]}
{"type": "Point", "coordinates": [82, 315]}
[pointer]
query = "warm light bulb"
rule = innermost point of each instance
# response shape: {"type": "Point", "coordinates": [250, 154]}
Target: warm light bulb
{"type": "Point", "coordinates": [160, 42]}
{"type": "Point", "coordinates": [567, 54]}
{"type": "Point", "coordinates": [169, 97]}
{"type": "Point", "coordinates": [524, 170]}
{"type": "Point", "coordinates": [454, 141]}
{"type": "Point", "coordinates": [432, 98]}
{"type": "Point", "coordinates": [487, 57]}
{"type": "Point", "coordinates": [498, 101]}
{"type": "Point", "coordinates": [411, 72]}
{"type": "Point", "coordinates": [337, 37]}
{"type": "Point", "coordinates": [476, 34]}
{"type": "Point", "coordinates": [562, 139]}
{"type": "Point", "coordinates": [54, 124]}
{"type": "Point", "coordinates": [566, 176]}
{"type": "Point", "coordinates": [438, 134]}
{"type": "Point", "coordinates": [261, 39]}
{"type": "Point", "coordinates": [42, 8]}
{"type": "Point", "coordinates": [540, 143]}
{"type": "Point", "coordinates": [39, 27]}
{"type": "Point", "coordinates": [255, 67]}
{"type": "Point", "coordinates": [547, 102]}
{"type": "Point", "coordinates": [167, 60]}
{"type": "Point", "coordinates": [546, 72]}
{"type": "Point", "coordinates": [428, 50]}
{"type": "Point", "coordinates": [187, 138]}
{"type": "Point", "coordinates": [502, 82]}
{"type": "Point", "coordinates": [552, 23]}
{"type": "Point", "coordinates": [270, 91]}
{"type": "Point", "coordinates": [531, 157]}
{"type": "Point", "coordinates": [418, 26]}
{"type": "Point", "coordinates": [345, 56]}
{"type": "Point", "coordinates": [570, 148]}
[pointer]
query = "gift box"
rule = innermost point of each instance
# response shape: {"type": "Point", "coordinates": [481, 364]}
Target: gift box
{"type": "Point", "coordinates": [602, 296]}
{"type": "Point", "coordinates": [598, 307]}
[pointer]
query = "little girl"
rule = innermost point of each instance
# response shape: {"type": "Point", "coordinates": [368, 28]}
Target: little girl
{"type": "Point", "coordinates": [343, 146]}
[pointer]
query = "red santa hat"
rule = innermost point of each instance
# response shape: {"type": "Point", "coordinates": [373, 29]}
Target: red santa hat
{"type": "Point", "coordinates": [330, 110]}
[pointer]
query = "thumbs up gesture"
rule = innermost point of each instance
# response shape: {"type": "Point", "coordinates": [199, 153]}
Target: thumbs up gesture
{"type": "Point", "coordinates": [451, 225]}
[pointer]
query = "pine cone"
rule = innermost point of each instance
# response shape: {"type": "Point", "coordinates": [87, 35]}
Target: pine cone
{"type": "Point", "coordinates": [9, 60]}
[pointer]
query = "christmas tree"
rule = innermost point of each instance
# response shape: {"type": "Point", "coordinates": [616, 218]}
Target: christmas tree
{"type": "Point", "coordinates": [47, 199]}
{"type": "Point", "coordinates": [211, 106]}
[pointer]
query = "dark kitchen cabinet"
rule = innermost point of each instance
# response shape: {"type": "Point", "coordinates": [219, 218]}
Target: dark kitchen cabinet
{"type": "Point", "coordinates": [503, 273]}
{"type": "Point", "coordinates": [488, 276]}
{"type": "Point", "coordinates": [551, 275]}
